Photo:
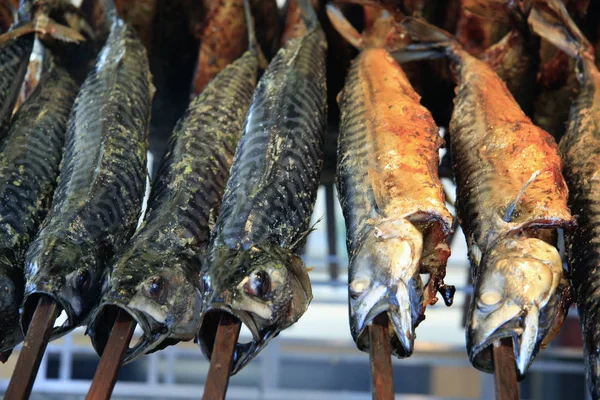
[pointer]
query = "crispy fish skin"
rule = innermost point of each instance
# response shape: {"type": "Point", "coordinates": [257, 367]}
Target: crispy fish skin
{"type": "Point", "coordinates": [29, 161]}
{"type": "Point", "coordinates": [511, 197]}
{"type": "Point", "coordinates": [101, 184]}
{"type": "Point", "coordinates": [223, 40]}
{"type": "Point", "coordinates": [580, 149]}
{"type": "Point", "coordinates": [392, 199]}
{"type": "Point", "coordinates": [253, 269]}
{"type": "Point", "coordinates": [155, 277]}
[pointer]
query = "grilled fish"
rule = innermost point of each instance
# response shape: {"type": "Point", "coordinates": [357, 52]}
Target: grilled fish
{"type": "Point", "coordinates": [154, 278]}
{"type": "Point", "coordinates": [511, 198]}
{"type": "Point", "coordinates": [29, 160]}
{"type": "Point", "coordinates": [393, 201]}
{"type": "Point", "coordinates": [580, 148]}
{"type": "Point", "coordinates": [97, 203]}
{"type": "Point", "coordinates": [253, 269]}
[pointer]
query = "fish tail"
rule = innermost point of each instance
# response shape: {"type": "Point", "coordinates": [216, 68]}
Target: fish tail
{"type": "Point", "coordinates": [253, 44]}
{"type": "Point", "coordinates": [309, 15]}
{"type": "Point", "coordinates": [428, 41]}
{"type": "Point", "coordinates": [550, 19]}
{"type": "Point", "coordinates": [343, 26]}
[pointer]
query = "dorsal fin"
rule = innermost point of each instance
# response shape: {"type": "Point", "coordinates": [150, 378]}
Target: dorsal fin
{"type": "Point", "coordinates": [512, 206]}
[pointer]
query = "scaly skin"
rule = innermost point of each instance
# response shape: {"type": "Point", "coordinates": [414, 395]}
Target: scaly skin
{"type": "Point", "coordinates": [253, 269]}
{"type": "Point", "coordinates": [29, 162]}
{"type": "Point", "coordinates": [393, 201]}
{"type": "Point", "coordinates": [155, 276]}
{"type": "Point", "coordinates": [223, 40]}
{"type": "Point", "coordinates": [101, 185]}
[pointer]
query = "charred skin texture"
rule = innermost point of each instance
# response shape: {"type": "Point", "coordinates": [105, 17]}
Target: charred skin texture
{"type": "Point", "coordinates": [266, 22]}
{"type": "Point", "coordinates": [393, 201]}
{"type": "Point", "coordinates": [140, 15]}
{"type": "Point", "coordinates": [155, 277]}
{"type": "Point", "coordinates": [580, 148]}
{"type": "Point", "coordinates": [222, 41]}
{"type": "Point", "coordinates": [511, 197]}
{"type": "Point", "coordinates": [29, 162]}
{"type": "Point", "coordinates": [253, 269]}
{"type": "Point", "coordinates": [515, 58]}
{"type": "Point", "coordinates": [97, 203]}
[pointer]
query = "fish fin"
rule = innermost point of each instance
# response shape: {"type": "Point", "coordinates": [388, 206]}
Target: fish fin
{"type": "Point", "coordinates": [343, 26]}
{"type": "Point", "coordinates": [305, 234]}
{"type": "Point", "coordinates": [48, 26]}
{"type": "Point", "coordinates": [309, 15]}
{"type": "Point", "coordinates": [253, 44]}
{"type": "Point", "coordinates": [21, 30]}
{"type": "Point", "coordinates": [377, 186]}
{"type": "Point", "coordinates": [512, 206]}
{"type": "Point", "coordinates": [551, 20]}
{"type": "Point", "coordinates": [428, 41]}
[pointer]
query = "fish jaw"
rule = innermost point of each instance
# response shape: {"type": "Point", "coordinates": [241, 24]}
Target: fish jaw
{"type": "Point", "coordinates": [231, 285]}
{"type": "Point", "coordinates": [384, 278]}
{"type": "Point", "coordinates": [519, 278]}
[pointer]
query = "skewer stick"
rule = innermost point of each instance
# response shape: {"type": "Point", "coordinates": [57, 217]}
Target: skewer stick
{"type": "Point", "coordinates": [35, 343]}
{"type": "Point", "coordinates": [505, 373]}
{"type": "Point", "coordinates": [221, 359]}
{"type": "Point", "coordinates": [381, 359]}
{"type": "Point", "coordinates": [107, 372]}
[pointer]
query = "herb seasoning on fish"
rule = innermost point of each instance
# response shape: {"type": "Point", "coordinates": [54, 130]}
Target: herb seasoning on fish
{"type": "Point", "coordinates": [97, 203]}
{"type": "Point", "coordinates": [29, 161]}
{"type": "Point", "coordinates": [511, 198]}
{"type": "Point", "coordinates": [580, 148]}
{"type": "Point", "coordinates": [253, 269]}
{"type": "Point", "coordinates": [154, 278]}
{"type": "Point", "coordinates": [397, 224]}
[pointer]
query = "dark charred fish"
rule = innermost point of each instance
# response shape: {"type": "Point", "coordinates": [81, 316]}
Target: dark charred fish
{"type": "Point", "coordinates": [580, 148]}
{"type": "Point", "coordinates": [253, 269]}
{"type": "Point", "coordinates": [155, 277]}
{"type": "Point", "coordinates": [393, 201]}
{"type": "Point", "coordinates": [30, 157]}
{"type": "Point", "coordinates": [97, 203]}
{"type": "Point", "coordinates": [511, 199]}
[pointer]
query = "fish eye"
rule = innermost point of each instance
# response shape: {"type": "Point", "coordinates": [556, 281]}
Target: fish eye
{"type": "Point", "coordinates": [82, 280]}
{"type": "Point", "coordinates": [156, 287]}
{"type": "Point", "coordinates": [259, 284]}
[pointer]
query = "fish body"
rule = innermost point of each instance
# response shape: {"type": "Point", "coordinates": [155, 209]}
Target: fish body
{"type": "Point", "coordinates": [30, 156]}
{"type": "Point", "coordinates": [392, 199]}
{"type": "Point", "coordinates": [580, 149]}
{"type": "Point", "coordinates": [253, 269]}
{"type": "Point", "coordinates": [511, 199]}
{"type": "Point", "coordinates": [155, 277]}
{"type": "Point", "coordinates": [96, 205]}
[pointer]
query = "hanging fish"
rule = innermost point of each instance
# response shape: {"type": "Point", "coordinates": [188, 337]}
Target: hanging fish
{"type": "Point", "coordinates": [580, 148]}
{"type": "Point", "coordinates": [97, 203]}
{"type": "Point", "coordinates": [253, 269]}
{"type": "Point", "coordinates": [397, 224]}
{"type": "Point", "coordinates": [30, 157]}
{"type": "Point", "coordinates": [154, 278]}
{"type": "Point", "coordinates": [511, 199]}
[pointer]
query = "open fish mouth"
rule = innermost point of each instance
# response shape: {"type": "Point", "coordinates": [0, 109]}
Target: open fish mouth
{"type": "Point", "coordinates": [155, 333]}
{"type": "Point", "coordinates": [522, 329]}
{"type": "Point", "coordinates": [243, 352]}
{"type": "Point", "coordinates": [30, 305]}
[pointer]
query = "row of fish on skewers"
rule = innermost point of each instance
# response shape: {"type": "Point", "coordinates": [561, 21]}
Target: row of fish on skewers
{"type": "Point", "coordinates": [512, 198]}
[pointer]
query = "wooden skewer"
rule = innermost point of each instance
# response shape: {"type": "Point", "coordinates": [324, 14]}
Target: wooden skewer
{"type": "Point", "coordinates": [505, 373]}
{"type": "Point", "coordinates": [221, 359]}
{"type": "Point", "coordinates": [35, 343]}
{"type": "Point", "coordinates": [381, 359]}
{"type": "Point", "coordinates": [107, 372]}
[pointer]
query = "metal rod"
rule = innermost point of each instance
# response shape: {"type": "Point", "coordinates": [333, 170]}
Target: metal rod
{"type": "Point", "coordinates": [381, 360]}
{"type": "Point", "coordinates": [221, 359]}
{"type": "Point", "coordinates": [36, 340]}
{"type": "Point", "coordinates": [505, 373]}
{"type": "Point", "coordinates": [331, 231]}
{"type": "Point", "coordinates": [107, 372]}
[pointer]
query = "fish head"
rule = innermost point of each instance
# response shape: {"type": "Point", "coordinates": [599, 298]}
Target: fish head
{"type": "Point", "coordinates": [384, 278]}
{"type": "Point", "coordinates": [12, 285]}
{"type": "Point", "coordinates": [518, 278]}
{"type": "Point", "coordinates": [159, 291]}
{"type": "Point", "coordinates": [266, 287]}
{"type": "Point", "coordinates": [67, 271]}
